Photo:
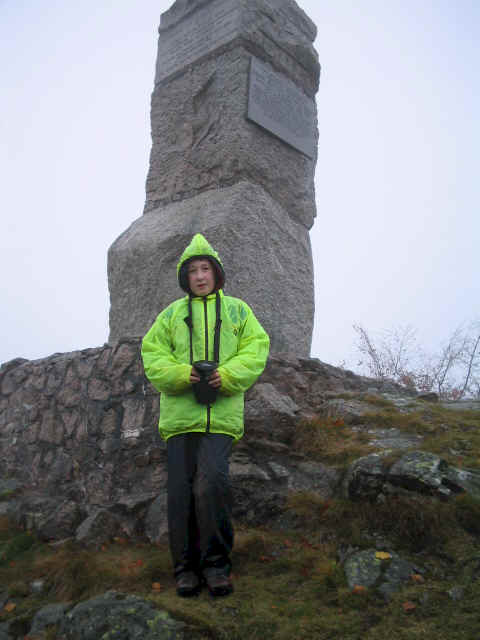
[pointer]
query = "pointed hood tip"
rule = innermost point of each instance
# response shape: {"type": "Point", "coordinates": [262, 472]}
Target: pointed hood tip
{"type": "Point", "coordinates": [199, 247]}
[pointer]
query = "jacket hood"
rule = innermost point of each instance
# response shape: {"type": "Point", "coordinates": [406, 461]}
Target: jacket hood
{"type": "Point", "coordinates": [199, 247]}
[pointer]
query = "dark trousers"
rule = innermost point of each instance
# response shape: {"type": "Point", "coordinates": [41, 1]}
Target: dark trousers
{"type": "Point", "coordinates": [199, 501]}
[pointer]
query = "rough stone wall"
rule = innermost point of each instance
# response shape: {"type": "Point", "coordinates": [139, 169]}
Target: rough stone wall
{"type": "Point", "coordinates": [74, 424]}
{"type": "Point", "coordinates": [214, 171]}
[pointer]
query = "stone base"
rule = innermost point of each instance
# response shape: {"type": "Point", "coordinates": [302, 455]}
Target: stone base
{"type": "Point", "coordinates": [267, 259]}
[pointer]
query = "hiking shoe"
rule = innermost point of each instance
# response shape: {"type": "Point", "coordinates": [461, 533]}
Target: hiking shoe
{"type": "Point", "coordinates": [188, 584]}
{"type": "Point", "coordinates": [218, 582]}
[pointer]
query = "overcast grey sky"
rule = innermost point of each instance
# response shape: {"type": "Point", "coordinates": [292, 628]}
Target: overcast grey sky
{"type": "Point", "coordinates": [396, 240]}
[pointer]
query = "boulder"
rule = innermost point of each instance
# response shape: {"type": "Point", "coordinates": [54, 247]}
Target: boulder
{"type": "Point", "coordinates": [427, 473]}
{"type": "Point", "coordinates": [60, 522]}
{"type": "Point", "coordinates": [48, 616]}
{"type": "Point", "coordinates": [385, 572]}
{"type": "Point", "coordinates": [156, 528]}
{"type": "Point", "coordinates": [100, 527]}
{"type": "Point", "coordinates": [365, 477]}
{"type": "Point", "coordinates": [418, 472]}
{"type": "Point", "coordinates": [269, 413]}
{"type": "Point", "coordinates": [114, 614]}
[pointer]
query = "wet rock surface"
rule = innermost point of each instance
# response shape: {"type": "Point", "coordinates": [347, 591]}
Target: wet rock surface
{"type": "Point", "coordinates": [114, 613]}
{"type": "Point", "coordinates": [393, 438]}
{"type": "Point", "coordinates": [386, 572]}
{"type": "Point", "coordinates": [48, 616]}
{"type": "Point", "coordinates": [83, 458]}
{"type": "Point", "coordinates": [117, 615]}
{"type": "Point", "coordinates": [110, 615]}
{"type": "Point", "coordinates": [416, 472]}
{"type": "Point", "coordinates": [83, 461]}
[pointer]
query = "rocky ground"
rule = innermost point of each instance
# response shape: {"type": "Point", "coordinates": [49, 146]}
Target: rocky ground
{"type": "Point", "coordinates": [363, 473]}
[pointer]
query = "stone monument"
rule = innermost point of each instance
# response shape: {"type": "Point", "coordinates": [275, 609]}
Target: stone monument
{"type": "Point", "coordinates": [234, 147]}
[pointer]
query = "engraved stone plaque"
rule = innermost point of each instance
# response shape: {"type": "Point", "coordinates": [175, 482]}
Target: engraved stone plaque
{"type": "Point", "coordinates": [201, 32]}
{"type": "Point", "coordinates": [276, 104]}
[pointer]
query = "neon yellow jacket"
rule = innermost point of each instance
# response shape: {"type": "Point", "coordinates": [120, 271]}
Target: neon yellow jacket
{"type": "Point", "coordinates": [244, 347]}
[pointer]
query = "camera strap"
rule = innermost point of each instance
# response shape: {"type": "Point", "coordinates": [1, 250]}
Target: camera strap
{"type": "Point", "coordinates": [189, 321]}
{"type": "Point", "coordinates": [218, 324]}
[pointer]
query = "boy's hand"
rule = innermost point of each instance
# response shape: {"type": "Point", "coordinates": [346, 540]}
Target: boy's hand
{"type": "Point", "coordinates": [215, 380]}
{"type": "Point", "coordinates": [194, 376]}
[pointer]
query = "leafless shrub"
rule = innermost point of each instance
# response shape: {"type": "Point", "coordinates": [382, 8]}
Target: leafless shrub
{"type": "Point", "coordinates": [453, 371]}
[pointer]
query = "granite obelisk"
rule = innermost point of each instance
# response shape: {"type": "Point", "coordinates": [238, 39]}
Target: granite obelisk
{"type": "Point", "coordinates": [234, 147]}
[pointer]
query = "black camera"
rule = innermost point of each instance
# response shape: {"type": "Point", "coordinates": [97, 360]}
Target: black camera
{"type": "Point", "coordinates": [204, 393]}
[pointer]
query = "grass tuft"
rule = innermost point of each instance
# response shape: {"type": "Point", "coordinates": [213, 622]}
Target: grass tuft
{"type": "Point", "coordinates": [452, 434]}
{"type": "Point", "coordinates": [15, 545]}
{"type": "Point", "coordinates": [467, 511]}
{"type": "Point", "coordinates": [330, 440]}
{"type": "Point", "coordinates": [409, 523]}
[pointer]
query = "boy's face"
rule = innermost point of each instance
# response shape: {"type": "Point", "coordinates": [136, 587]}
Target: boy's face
{"type": "Point", "coordinates": [201, 277]}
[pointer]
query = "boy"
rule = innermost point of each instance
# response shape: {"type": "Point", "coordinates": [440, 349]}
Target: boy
{"type": "Point", "coordinates": [201, 411]}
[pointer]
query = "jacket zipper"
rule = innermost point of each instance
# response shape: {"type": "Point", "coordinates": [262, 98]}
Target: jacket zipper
{"type": "Point", "coordinates": [206, 356]}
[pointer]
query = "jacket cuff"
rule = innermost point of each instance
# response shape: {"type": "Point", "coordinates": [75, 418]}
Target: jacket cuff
{"type": "Point", "coordinates": [225, 387]}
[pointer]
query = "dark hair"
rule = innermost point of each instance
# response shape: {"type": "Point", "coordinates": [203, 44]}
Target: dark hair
{"type": "Point", "coordinates": [217, 270]}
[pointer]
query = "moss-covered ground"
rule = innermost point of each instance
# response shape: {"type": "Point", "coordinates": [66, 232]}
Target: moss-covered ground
{"type": "Point", "coordinates": [452, 434]}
